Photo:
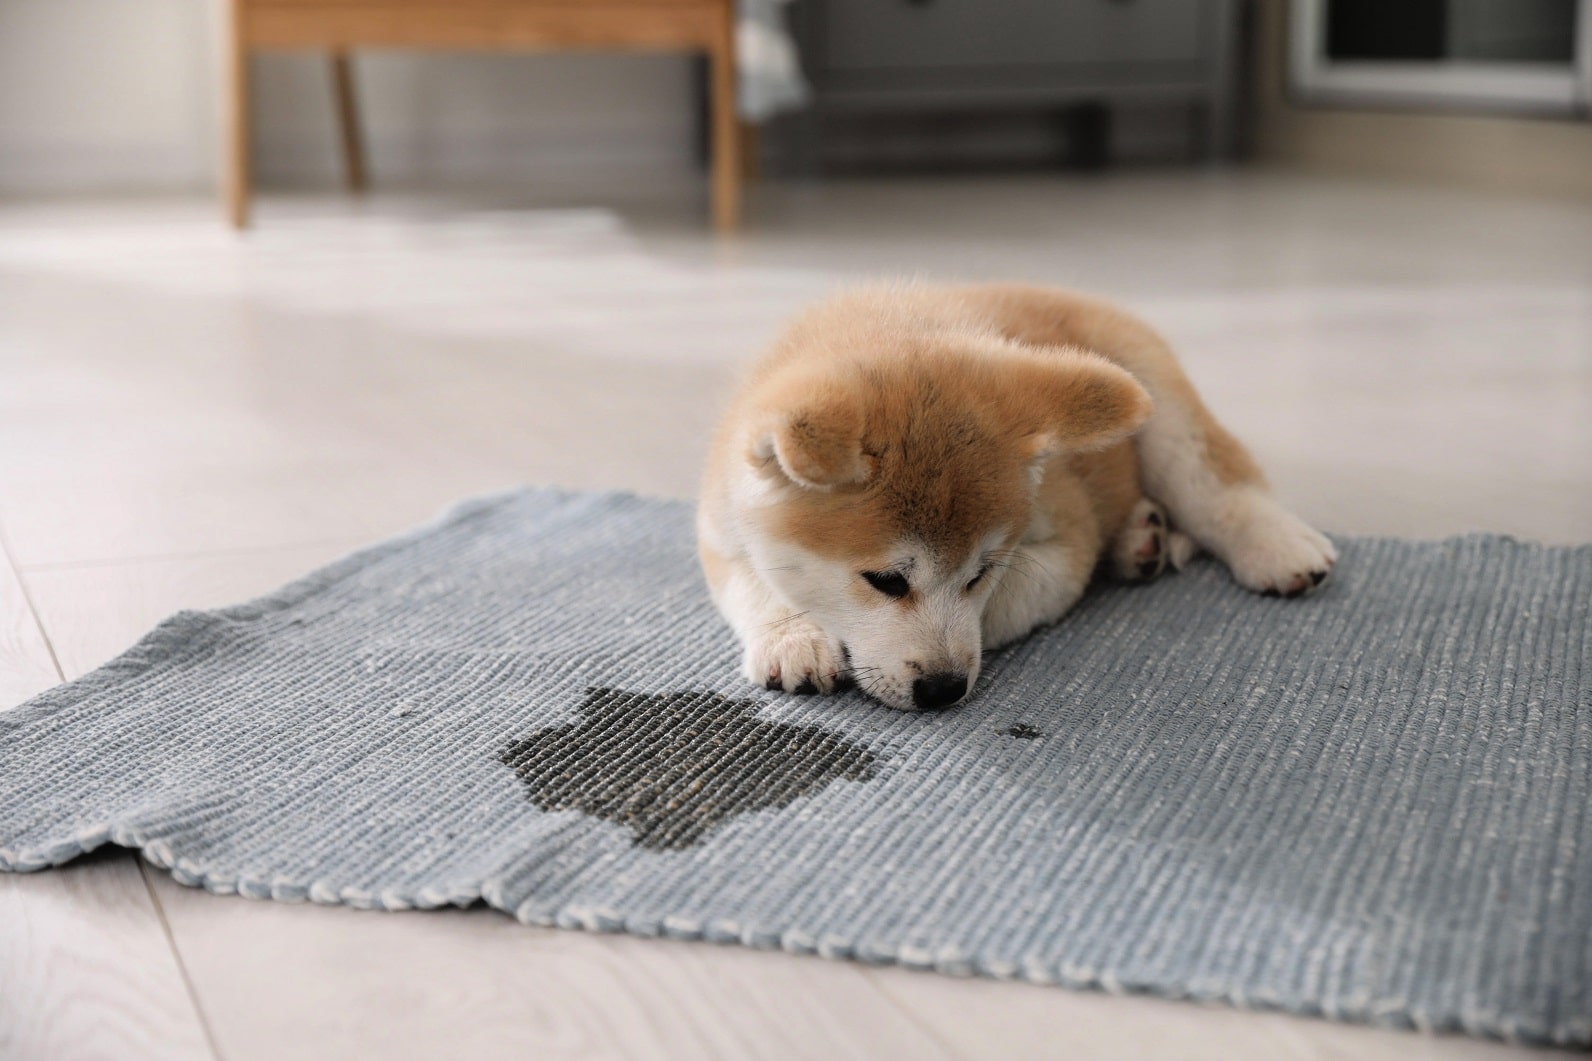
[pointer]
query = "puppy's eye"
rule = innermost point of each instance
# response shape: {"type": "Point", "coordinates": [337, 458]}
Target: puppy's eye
{"type": "Point", "coordinates": [890, 583]}
{"type": "Point", "coordinates": [977, 578]}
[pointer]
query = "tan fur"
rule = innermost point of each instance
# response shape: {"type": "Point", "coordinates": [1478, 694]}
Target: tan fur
{"type": "Point", "coordinates": [939, 449]}
{"type": "Point", "coordinates": [927, 415]}
{"type": "Point", "coordinates": [1043, 315]}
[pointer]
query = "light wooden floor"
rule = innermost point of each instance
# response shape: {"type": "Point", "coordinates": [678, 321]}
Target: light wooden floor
{"type": "Point", "coordinates": [188, 418]}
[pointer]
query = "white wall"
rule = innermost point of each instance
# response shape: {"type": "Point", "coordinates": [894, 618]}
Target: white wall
{"type": "Point", "coordinates": [104, 95]}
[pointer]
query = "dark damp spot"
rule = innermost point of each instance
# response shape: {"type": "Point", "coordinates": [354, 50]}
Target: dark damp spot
{"type": "Point", "coordinates": [671, 767]}
{"type": "Point", "coordinates": [1147, 569]}
{"type": "Point", "coordinates": [1023, 731]}
{"type": "Point", "coordinates": [1317, 577]}
{"type": "Point", "coordinates": [807, 688]}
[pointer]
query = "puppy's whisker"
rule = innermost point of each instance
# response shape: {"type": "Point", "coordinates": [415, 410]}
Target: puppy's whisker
{"type": "Point", "coordinates": [1020, 572]}
{"type": "Point", "coordinates": [1015, 560]}
{"type": "Point", "coordinates": [1010, 558]}
{"type": "Point", "coordinates": [782, 622]}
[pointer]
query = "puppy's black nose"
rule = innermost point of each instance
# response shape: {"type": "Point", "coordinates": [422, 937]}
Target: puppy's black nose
{"type": "Point", "coordinates": [935, 691]}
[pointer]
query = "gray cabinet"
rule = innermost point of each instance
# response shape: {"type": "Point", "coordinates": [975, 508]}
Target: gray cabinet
{"type": "Point", "coordinates": [938, 55]}
{"type": "Point", "coordinates": [895, 35]}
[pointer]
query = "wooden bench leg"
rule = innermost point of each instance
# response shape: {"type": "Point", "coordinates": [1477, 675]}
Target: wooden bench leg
{"type": "Point", "coordinates": [751, 153]}
{"type": "Point", "coordinates": [235, 178]}
{"type": "Point", "coordinates": [348, 121]}
{"type": "Point", "coordinates": [727, 159]}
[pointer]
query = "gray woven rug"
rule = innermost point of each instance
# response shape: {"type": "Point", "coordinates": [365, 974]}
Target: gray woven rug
{"type": "Point", "coordinates": [1371, 805]}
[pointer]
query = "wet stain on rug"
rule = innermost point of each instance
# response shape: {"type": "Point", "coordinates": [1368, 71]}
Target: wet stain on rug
{"type": "Point", "coordinates": [671, 767]}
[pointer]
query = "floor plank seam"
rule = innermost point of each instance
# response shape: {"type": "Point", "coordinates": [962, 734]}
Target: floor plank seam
{"type": "Point", "coordinates": [144, 871]}
{"type": "Point", "coordinates": [9, 557]}
{"type": "Point", "coordinates": [882, 985]}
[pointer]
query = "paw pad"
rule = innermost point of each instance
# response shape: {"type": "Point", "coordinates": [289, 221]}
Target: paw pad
{"type": "Point", "coordinates": [1141, 551]}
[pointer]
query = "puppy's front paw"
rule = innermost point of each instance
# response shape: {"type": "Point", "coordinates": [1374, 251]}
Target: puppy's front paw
{"type": "Point", "coordinates": [1279, 554]}
{"type": "Point", "coordinates": [796, 656]}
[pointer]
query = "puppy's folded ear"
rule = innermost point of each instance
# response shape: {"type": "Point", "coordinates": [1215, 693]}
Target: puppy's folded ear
{"type": "Point", "coordinates": [1075, 401]}
{"type": "Point", "coordinates": [818, 446]}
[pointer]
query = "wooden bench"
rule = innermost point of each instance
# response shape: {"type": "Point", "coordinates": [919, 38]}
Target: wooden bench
{"type": "Point", "coordinates": [339, 26]}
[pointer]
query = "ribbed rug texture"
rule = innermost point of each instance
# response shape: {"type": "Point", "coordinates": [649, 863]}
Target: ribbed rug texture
{"type": "Point", "coordinates": [1371, 804]}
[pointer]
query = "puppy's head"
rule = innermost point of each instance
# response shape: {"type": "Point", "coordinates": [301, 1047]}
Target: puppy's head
{"type": "Point", "coordinates": [887, 494]}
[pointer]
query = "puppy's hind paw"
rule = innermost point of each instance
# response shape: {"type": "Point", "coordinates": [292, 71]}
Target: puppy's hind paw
{"type": "Point", "coordinates": [795, 656]}
{"type": "Point", "coordinates": [1280, 555]}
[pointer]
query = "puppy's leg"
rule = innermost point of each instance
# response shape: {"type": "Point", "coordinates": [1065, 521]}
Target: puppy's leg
{"type": "Point", "coordinates": [783, 650]}
{"type": "Point", "coordinates": [1039, 581]}
{"type": "Point", "coordinates": [1216, 493]}
{"type": "Point", "coordinates": [1208, 482]}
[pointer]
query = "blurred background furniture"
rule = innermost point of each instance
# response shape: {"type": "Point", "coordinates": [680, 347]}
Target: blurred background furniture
{"type": "Point", "coordinates": [949, 56]}
{"type": "Point", "coordinates": [1525, 57]}
{"type": "Point", "coordinates": [337, 26]}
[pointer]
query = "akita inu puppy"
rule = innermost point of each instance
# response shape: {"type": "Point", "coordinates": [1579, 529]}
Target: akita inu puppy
{"type": "Point", "coordinates": [914, 475]}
